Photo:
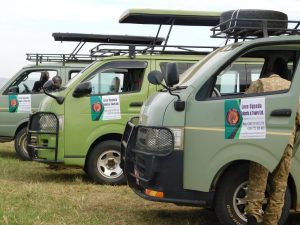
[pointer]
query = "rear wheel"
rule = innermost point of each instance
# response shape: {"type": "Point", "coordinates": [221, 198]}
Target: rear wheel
{"type": "Point", "coordinates": [21, 144]}
{"type": "Point", "coordinates": [230, 200]}
{"type": "Point", "coordinates": [103, 164]}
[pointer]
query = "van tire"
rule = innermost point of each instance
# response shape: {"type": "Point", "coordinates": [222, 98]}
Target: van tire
{"type": "Point", "coordinates": [233, 182]}
{"type": "Point", "coordinates": [252, 14]}
{"type": "Point", "coordinates": [20, 144]}
{"type": "Point", "coordinates": [103, 163]}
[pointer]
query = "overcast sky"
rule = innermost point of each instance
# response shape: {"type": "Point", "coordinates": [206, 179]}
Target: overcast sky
{"type": "Point", "coordinates": [27, 25]}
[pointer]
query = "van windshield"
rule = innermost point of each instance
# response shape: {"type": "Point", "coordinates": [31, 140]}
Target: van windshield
{"type": "Point", "coordinates": [208, 61]}
{"type": "Point", "coordinates": [77, 76]}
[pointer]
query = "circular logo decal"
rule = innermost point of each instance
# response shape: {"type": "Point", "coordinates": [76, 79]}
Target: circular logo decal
{"type": "Point", "coordinates": [13, 102]}
{"type": "Point", "coordinates": [97, 107]}
{"type": "Point", "coordinates": [232, 117]}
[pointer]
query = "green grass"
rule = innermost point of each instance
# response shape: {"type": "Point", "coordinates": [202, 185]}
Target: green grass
{"type": "Point", "coordinates": [30, 193]}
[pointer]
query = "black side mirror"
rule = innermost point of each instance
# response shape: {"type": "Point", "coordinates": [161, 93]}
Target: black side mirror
{"type": "Point", "coordinates": [83, 89]}
{"type": "Point", "coordinates": [172, 74]}
{"type": "Point", "coordinates": [13, 90]}
{"type": "Point", "coordinates": [48, 85]}
{"type": "Point", "coordinates": [155, 77]}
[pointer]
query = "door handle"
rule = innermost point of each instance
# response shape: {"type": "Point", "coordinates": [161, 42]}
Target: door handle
{"type": "Point", "coordinates": [281, 112]}
{"type": "Point", "coordinates": [136, 104]}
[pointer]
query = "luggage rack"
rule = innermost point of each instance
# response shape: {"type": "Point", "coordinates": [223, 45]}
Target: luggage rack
{"type": "Point", "coordinates": [103, 50]}
{"type": "Point", "coordinates": [64, 58]}
{"type": "Point", "coordinates": [240, 28]}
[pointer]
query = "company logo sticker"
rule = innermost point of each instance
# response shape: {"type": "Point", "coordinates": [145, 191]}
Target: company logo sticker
{"type": "Point", "coordinates": [232, 117]}
{"type": "Point", "coordinates": [245, 118]}
{"type": "Point", "coordinates": [13, 103]}
{"type": "Point", "coordinates": [97, 107]}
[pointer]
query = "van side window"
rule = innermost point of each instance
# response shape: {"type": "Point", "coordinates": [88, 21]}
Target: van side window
{"type": "Point", "coordinates": [73, 73]}
{"type": "Point", "coordinates": [28, 81]}
{"type": "Point", "coordinates": [236, 78]}
{"type": "Point", "coordinates": [113, 81]}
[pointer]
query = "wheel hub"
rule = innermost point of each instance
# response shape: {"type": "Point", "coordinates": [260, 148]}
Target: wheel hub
{"type": "Point", "coordinates": [108, 164]}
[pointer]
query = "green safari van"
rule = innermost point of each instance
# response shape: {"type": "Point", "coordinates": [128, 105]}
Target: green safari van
{"type": "Point", "coordinates": [184, 149]}
{"type": "Point", "coordinates": [18, 98]}
{"type": "Point", "coordinates": [85, 131]}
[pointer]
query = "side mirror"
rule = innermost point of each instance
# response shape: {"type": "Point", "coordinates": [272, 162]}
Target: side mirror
{"type": "Point", "coordinates": [155, 77]}
{"type": "Point", "coordinates": [83, 89]}
{"type": "Point", "coordinates": [13, 90]}
{"type": "Point", "coordinates": [172, 74]}
{"type": "Point", "coordinates": [48, 85]}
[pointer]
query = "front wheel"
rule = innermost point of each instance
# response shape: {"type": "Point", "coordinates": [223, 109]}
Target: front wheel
{"type": "Point", "coordinates": [230, 200]}
{"type": "Point", "coordinates": [103, 163]}
{"type": "Point", "coordinates": [21, 144]}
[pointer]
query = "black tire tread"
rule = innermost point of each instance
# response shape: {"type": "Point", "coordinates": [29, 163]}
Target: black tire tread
{"type": "Point", "coordinates": [20, 152]}
{"type": "Point", "coordinates": [91, 168]}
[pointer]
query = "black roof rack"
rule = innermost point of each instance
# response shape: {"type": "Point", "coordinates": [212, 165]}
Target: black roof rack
{"type": "Point", "coordinates": [64, 58]}
{"type": "Point", "coordinates": [240, 28]}
{"type": "Point", "coordinates": [131, 50]}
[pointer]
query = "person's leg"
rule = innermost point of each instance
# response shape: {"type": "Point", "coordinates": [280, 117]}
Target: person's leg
{"type": "Point", "coordinates": [279, 184]}
{"type": "Point", "coordinates": [258, 176]}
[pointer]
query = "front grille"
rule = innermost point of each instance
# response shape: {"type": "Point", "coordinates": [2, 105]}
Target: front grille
{"type": "Point", "coordinates": [42, 138]}
{"type": "Point", "coordinates": [154, 140]}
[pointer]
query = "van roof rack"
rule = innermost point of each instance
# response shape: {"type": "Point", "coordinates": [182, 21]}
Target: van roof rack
{"type": "Point", "coordinates": [241, 28]}
{"type": "Point", "coordinates": [103, 50]}
{"type": "Point", "coordinates": [64, 58]}
{"type": "Point", "coordinates": [170, 17]}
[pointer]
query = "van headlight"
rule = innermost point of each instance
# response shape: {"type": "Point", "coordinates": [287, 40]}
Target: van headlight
{"type": "Point", "coordinates": [48, 122]}
{"type": "Point", "coordinates": [156, 140]}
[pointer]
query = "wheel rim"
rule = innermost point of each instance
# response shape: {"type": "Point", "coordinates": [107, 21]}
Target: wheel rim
{"type": "Point", "coordinates": [239, 200]}
{"type": "Point", "coordinates": [108, 164]}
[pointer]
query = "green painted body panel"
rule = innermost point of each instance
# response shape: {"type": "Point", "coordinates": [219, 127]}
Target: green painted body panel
{"type": "Point", "coordinates": [11, 122]}
{"type": "Point", "coordinates": [79, 133]}
{"type": "Point", "coordinates": [206, 152]}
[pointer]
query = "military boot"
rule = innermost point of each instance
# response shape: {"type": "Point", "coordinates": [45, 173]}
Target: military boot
{"type": "Point", "coordinates": [251, 220]}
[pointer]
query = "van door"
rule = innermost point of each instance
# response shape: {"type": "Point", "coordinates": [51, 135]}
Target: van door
{"type": "Point", "coordinates": [20, 92]}
{"type": "Point", "coordinates": [121, 88]}
{"type": "Point", "coordinates": [219, 129]}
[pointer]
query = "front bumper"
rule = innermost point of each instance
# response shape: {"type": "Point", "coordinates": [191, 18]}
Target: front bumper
{"type": "Point", "coordinates": [150, 171]}
{"type": "Point", "coordinates": [42, 138]}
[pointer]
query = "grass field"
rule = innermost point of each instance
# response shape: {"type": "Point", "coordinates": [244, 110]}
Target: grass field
{"type": "Point", "coordinates": [30, 193]}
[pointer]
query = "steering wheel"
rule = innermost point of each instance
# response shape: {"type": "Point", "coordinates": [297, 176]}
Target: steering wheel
{"type": "Point", "coordinates": [216, 92]}
{"type": "Point", "coordinates": [27, 90]}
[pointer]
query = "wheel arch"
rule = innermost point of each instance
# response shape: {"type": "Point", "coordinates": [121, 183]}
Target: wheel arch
{"type": "Point", "coordinates": [236, 163]}
{"type": "Point", "coordinates": [20, 127]}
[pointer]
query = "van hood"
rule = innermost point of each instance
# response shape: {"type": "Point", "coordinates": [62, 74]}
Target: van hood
{"type": "Point", "coordinates": [153, 110]}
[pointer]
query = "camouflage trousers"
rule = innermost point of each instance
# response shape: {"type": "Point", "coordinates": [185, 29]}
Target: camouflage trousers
{"type": "Point", "coordinates": [258, 177]}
